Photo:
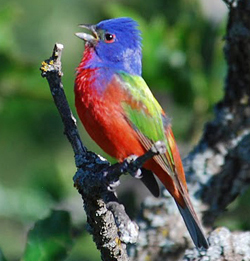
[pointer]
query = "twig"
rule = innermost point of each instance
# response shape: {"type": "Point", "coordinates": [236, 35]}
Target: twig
{"type": "Point", "coordinates": [100, 219]}
{"type": "Point", "coordinates": [52, 70]}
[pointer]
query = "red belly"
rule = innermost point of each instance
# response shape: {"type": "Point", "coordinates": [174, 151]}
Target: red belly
{"type": "Point", "coordinates": [107, 126]}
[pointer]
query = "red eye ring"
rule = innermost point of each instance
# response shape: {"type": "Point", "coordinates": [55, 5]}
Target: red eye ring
{"type": "Point", "coordinates": [109, 38]}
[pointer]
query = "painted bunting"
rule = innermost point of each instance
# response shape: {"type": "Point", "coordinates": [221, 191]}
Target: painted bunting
{"type": "Point", "coordinates": [121, 114]}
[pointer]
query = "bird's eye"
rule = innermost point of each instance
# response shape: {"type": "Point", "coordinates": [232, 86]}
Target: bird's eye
{"type": "Point", "coordinates": [109, 38]}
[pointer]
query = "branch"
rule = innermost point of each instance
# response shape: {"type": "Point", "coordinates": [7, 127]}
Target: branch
{"type": "Point", "coordinates": [51, 69]}
{"type": "Point", "coordinates": [101, 221]}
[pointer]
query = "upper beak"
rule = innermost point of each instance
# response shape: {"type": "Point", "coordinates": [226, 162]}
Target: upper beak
{"type": "Point", "coordinates": [88, 37]}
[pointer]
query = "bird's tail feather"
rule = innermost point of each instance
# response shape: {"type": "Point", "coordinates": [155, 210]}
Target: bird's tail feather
{"type": "Point", "coordinates": [193, 227]}
{"type": "Point", "coordinates": [150, 182]}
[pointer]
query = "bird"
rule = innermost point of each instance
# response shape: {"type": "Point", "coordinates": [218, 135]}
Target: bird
{"type": "Point", "coordinates": [122, 116]}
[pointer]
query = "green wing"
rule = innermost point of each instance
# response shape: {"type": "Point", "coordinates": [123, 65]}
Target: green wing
{"type": "Point", "coordinates": [145, 115]}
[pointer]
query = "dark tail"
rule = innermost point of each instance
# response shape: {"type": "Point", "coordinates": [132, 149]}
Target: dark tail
{"type": "Point", "coordinates": [194, 227]}
{"type": "Point", "coordinates": [150, 182]}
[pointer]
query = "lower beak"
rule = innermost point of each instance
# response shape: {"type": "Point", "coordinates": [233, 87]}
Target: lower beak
{"type": "Point", "coordinates": [88, 37]}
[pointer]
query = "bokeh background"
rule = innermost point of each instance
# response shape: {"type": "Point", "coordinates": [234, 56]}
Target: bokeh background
{"type": "Point", "coordinates": [182, 63]}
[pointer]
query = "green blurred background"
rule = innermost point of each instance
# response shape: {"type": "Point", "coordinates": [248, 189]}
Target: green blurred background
{"type": "Point", "coordinates": [182, 63]}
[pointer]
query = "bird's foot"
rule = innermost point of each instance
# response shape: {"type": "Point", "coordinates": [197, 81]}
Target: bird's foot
{"type": "Point", "coordinates": [134, 171]}
{"type": "Point", "coordinates": [159, 147]}
{"type": "Point", "coordinates": [131, 165]}
{"type": "Point", "coordinates": [137, 174]}
{"type": "Point", "coordinates": [112, 186]}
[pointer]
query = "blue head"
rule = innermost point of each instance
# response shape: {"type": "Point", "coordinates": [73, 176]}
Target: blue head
{"type": "Point", "coordinates": [116, 44]}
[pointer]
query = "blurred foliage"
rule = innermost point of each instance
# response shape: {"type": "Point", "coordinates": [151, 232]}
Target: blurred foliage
{"type": "Point", "coordinates": [182, 63]}
{"type": "Point", "coordinates": [2, 258]}
{"type": "Point", "coordinates": [50, 239]}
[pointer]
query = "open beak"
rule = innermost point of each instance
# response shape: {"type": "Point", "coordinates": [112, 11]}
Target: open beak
{"type": "Point", "coordinates": [88, 37]}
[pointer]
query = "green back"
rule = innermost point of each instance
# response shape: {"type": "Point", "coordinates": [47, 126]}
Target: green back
{"type": "Point", "coordinates": [142, 110]}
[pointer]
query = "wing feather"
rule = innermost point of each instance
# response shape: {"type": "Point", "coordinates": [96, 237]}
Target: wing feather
{"type": "Point", "coordinates": [147, 118]}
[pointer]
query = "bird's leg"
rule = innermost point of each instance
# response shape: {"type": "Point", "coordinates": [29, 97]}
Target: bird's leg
{"type": "Point", "coordinates": [135, 163]}
{"type": "Point", "coordinates": [137, 173]}
{"type": "Point", "coordinates": [111, 177]}
{"type": "Point", "coordinates": [131, 165]}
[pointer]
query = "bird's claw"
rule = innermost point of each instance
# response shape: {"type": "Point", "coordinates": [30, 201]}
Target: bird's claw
{"type": "Point", "coordinates": [131, 158]}
{"type": "Point", "coordinates": [159, 147]}
{"type": "Point", "coordinates": [112, 186]}
{"type": "Point", "coordinates": [137, 174]}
